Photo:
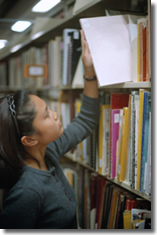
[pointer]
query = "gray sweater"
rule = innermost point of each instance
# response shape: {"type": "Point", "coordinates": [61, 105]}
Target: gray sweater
{"type": "Point", "coordinates": [45, 199]}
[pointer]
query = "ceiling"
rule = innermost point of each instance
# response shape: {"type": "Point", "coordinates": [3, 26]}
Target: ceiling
{"type": "Point", "coordinates": [13, 10]}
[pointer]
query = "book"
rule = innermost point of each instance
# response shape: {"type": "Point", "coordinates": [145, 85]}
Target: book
{"type": "Point", "coordinates": [66, 41]}
{"type": "Point", "coordinates": [136, 138]}
{"type": "Point", "coordinates": [93, 149]}
{"type": "Point", "coordinates": [79, 153]}
{"type": "Point", "coordinates": [127, 219]}
{"type": "Point", "coordinates": [119, 140]}
{"type": "Point", "coordinates": [86, 199]}
{"type": "Point", "coordinates": [142, 142]}
{"type": "Point", "coordinates": [115, 48]}
{"type": "Point", "coordinates": [115, 134]}
{"type": "Point", "coordinates": [148, 46]}
{"type": "Point", "coordinates": [141, 95]}
{"type": "Point", "coordinates": [141, 46]}
{"type": "Point", "coordinates": [134, 98]}
{"type": "Point", "coordinates": [139, 215]}
{"type": "Point", "coordinates": [113, 208]}
{"type": "Point", "coordinates": [93, 193]}
{"type": "Point", "coordinates": [145, 136]}
{"type": "Point", "coordinates": [128, 136]}
{"type": "Point", "coordinates": [120, 209]}
{"type": "Point", "coordinates": [101, 182]}
{"type": "Point", "coordinates": [54, 58]}
{"type": "Point", "coordinates": [117, 101]}
{"type": "Point", "coordinates": [122, 166]}
{"type": "Point", "coordinates": [81, 197]}
{"type": "Point", "coordinates": [147, 179]}
{"type": "Point", "coordinates": [78, 75]}
{"type": "Point", "coordinates": [107, 205]}
{"type": "Point", "coordinates": [74, 55]}
{"type": "Point", "coordinates": [104, 139]}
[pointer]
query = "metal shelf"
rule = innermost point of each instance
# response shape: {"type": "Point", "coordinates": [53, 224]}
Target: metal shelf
{"type": "Point", "coordinates": [124, 185]}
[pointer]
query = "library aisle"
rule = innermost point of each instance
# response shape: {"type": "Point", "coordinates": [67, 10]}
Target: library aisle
{"type": "Point", "coordinates": [110, 171]}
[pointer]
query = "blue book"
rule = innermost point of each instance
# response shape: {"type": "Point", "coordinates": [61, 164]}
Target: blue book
{"type": "Point", "coordinates": [145, 135]}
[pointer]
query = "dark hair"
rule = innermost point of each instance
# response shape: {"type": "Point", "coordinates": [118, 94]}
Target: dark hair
{"type": "Point", "coordinates": [12, 153]}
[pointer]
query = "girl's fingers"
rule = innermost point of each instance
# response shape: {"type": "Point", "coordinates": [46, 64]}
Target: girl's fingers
{"type": "Point", "coordinates": [84, 43]}
{"type": "Point", "coordinates": [82, 39]}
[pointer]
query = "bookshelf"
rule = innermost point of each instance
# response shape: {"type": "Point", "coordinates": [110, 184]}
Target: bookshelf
{"type": "Point", "coordinates": [124, 185]}
{"type": "Point", "coordinates": [93, 9]}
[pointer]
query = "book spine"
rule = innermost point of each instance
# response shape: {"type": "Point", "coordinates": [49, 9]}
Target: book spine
{"type": "Point", "coordinates": [139, 138]}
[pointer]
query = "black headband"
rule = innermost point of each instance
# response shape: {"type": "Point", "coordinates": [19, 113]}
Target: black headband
{"type": "Point", "coordinates": [11, 104]}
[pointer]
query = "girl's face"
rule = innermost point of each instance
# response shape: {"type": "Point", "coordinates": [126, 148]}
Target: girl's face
{"type": "Point", "coordinates": [46, 123]}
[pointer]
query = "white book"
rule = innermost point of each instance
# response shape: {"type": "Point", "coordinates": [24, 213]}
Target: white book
{"type": "Point", "coordinates": [110, 42]}
{"type": "Point", "coordinates": [78, 76]}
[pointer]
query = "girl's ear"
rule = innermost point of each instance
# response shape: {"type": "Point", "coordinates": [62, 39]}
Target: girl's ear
{"type": "Point", "coordinates": [28, 141]}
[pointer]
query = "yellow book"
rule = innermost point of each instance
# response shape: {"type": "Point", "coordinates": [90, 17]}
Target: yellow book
{"type": "Point", "coordinates": [136, 224]}
{"type": "Point", "coordinates": [138, 54]}
{"type": "Point", "coordinates": [127, 219]}
{"type": "Point", "coordinates": [103, 128]}
{"type": "Point", "coordinates": [70, 177]}
{"type": "Point", "coordinates": [141, 95]}
{"type": "Point", "coordinates": [80, 145]}
{"type": "Point", "coordinates": [113, 208]}
{"type": "Point", "coordinates": [123, 160]}
{"type": "Point", "coordinates": [127, 136]}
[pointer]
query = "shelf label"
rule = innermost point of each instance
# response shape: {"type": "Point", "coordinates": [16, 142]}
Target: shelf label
{"type": "Point", "coordinates": [35, 71]}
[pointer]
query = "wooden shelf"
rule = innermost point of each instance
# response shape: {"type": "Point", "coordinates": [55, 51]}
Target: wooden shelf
{"type": "Point", "coordinates": [124, 185]}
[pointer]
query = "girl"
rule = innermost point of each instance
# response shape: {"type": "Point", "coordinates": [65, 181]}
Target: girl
{"type": "Point", "coordinates": [32, 141]}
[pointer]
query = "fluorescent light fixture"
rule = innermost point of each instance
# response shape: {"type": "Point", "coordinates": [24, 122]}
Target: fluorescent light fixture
{"type": "Point", "coordinates": [45, 5]}
{"type": "Point", "coordinates": [20, 26]}
{"type": "Point", "coordinates": [3, 43]}
{"type": "Point", "coordinates": [37, 35]}
{"type": "Point", "coordinates": [15, 48]}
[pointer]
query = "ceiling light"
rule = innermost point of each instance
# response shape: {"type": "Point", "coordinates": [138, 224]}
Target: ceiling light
{"type": "Point", "coordinates": [45, 5]}
{"type": "Point", "coordinates": [20, 26]}
{"type": "Point", "coordinates": [15, 48]}
{"type": "Point", "coordinates": [3, 42]}
{"type": "Point", "coordinates": [37, 35]}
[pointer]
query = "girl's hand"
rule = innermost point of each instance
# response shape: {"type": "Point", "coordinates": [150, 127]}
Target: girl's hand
{"type": "Point", "coordinates": [86, 57]}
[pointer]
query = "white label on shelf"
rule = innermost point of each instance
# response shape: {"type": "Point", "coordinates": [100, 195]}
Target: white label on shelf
{"type": "Point", "coordinates": [36, 71]}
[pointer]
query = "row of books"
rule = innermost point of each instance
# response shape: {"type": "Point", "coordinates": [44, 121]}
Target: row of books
{"type": "Point", "coordinates": [12, 71]}
{"type": "Point", "coordinates": [62, 54]}
{"type": "Point", "coordinates": [125, 47]}
{"type": "Point", "coordinates": [120, 147]}
{"type": "Point", "coordinates": [102, 205]}
{"type": "Point", "coordinates": [129, 143]}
